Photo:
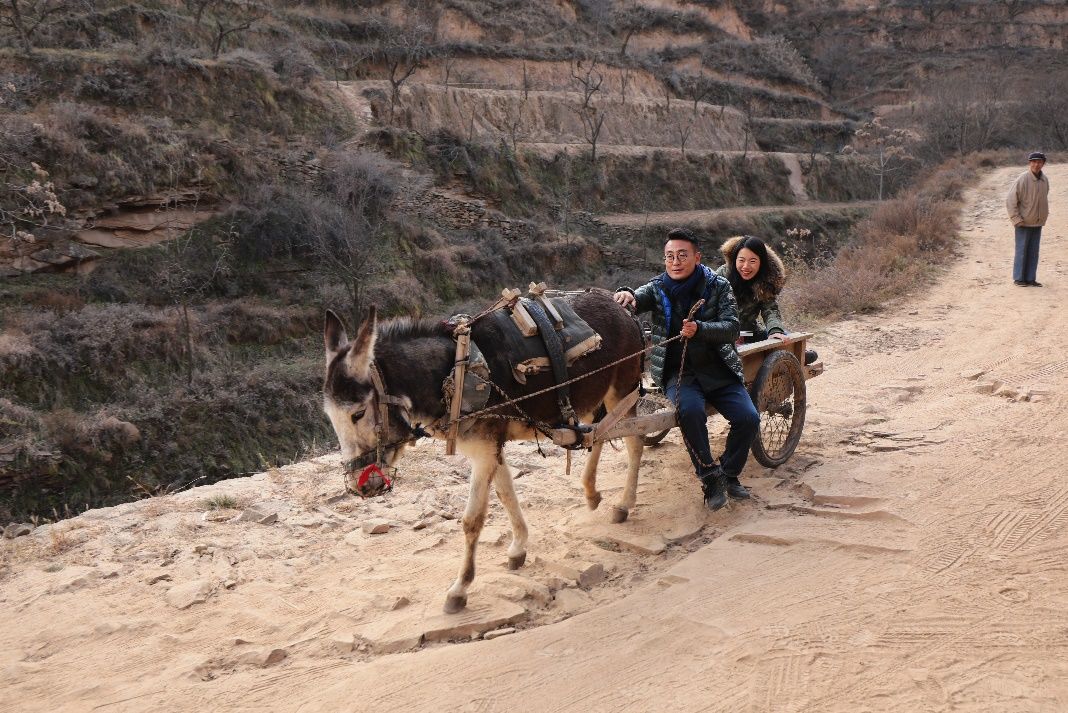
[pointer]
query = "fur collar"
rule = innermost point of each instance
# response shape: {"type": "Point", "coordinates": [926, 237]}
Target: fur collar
{"type": "Point", "coordinates": [771, 283]}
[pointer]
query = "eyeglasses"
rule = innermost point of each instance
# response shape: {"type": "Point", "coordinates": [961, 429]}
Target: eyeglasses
{"type": "Point", "coordinates": [676, 257]}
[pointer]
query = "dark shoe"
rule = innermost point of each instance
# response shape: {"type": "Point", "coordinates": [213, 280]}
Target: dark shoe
{"type": "Point", "coordinates": [736, 490]}
{"type": "Point", "coordinates": [714, 486]}
{"type": "Point", "coordinates": [810, 356]}
{"type": "Point", "coordinates": [1035, 283]}
{"type": "Point", "coordinates": [1021, 283]}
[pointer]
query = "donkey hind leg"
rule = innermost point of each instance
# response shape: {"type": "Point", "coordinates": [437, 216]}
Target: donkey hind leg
{"type": "Point", "coordinates": [622, 509]}
{"type": "Point", "coordinates": [502, 482]}
{"type": "Point", "coordinates": [589, 476]}
{"type": "Point", "coordinates": [484, 463]}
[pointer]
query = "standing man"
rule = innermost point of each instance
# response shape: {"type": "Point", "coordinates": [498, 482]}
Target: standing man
{"type": "Point", "coordinates": [1028, 205]}
{"type": "Point", "coordinates": [713, 371]}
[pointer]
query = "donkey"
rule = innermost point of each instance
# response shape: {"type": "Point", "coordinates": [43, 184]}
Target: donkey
{"type": "Point", "coordinates": [410, 359]}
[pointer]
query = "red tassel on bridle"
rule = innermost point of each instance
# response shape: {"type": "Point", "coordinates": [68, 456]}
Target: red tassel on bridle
{"type": "Point", "coordinates": [372, 482]}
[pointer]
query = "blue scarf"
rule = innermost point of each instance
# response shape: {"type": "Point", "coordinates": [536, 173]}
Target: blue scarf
{"type": "Point", "coordinates": [682, 293]}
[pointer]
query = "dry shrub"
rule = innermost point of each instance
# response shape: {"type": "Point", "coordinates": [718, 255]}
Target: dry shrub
{"type": "Point", "coordinates": [890, 253]}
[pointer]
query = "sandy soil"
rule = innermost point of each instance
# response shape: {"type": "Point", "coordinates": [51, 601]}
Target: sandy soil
{"type": "Point", "coordinates": [909, 557]}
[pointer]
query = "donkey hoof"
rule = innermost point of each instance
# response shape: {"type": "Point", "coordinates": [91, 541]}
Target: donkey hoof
{"type": "Point", "coordinates": [617, 515]}
{"type": "Point", "coordinates": [517, 561]}
{"type": "Point", "coordinates": [592, 501]}
{"type": "Point", "coordinates": [455, 603]}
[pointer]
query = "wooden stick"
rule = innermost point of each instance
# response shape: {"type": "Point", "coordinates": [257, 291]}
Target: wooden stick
{"type": "Point", "coordinates": [463, 345]}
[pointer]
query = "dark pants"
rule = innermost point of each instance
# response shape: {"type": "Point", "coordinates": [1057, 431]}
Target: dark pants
{"type": "Point", "coordinates": [734, 403]}
{"type": "Point", "coordinates": [1025, 266]}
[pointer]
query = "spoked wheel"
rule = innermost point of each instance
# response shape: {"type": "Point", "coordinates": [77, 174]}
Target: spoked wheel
{"type": "Point", "coordinates": [779, 394]}
{"type": "Point", "coordinates": [651, 403]}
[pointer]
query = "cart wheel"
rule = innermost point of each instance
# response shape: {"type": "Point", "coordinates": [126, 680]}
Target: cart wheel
{"type": "Point", "coordinates": [651, 403]}
{"type": "Point", "coordinates": [779, 395]}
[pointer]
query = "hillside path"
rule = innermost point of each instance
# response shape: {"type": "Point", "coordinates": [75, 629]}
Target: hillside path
{"type": "Point", "coordinates": [910, 556]}
{"type": "Point", "coordinates": [702, 217]}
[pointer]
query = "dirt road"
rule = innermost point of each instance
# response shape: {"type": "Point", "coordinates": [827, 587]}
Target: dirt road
{"type": "Point", "coordinates": [911, 557]}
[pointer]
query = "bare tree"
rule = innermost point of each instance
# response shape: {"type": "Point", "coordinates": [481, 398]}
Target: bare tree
{"type": "Point", "coordinates": [346, 226]}
{"type": "Point", "coordinates": [629, 19]}
{"type": "Point", "coordinates": [405, 51]}
{"type": "Point", "coordinates": [25, 17]}
{"type": "Point", "coordinates": [694, 87]}
{"type": "Point", "coordinates": [748, 112]}
{"type": "Point", "coordinates": [589, 80]}
{"type": "Point", "coordinates": [527, 82]}
{"type": "Point", "coordinates": [231, 17]}
{"type": "Point", "coordinates": [682, 127]}
{"type": "Point", "coordinates": [1013, 8]}
{"type": "Point", "coordinates": [624, 81]}
{"type": "Point", "coordinates": [191, 266]}
{"type": "Point", "coordinates": [964, 113]}
{"type": "Point", "coordinates": [890, 149]}
{"type": "Point", "coordinates": [346, 58]}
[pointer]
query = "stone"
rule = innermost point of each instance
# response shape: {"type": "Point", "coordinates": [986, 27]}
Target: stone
{"type": "Point", "coordinates": [262, 657]}
{"type": "Point", "coordinates": [250, 515]}
{"type": "Point", "coordinates": [157, 577]}
{"type": "Point", "coordinates": [642, 544]}
{"type": "Point", "coordinates": [571, 601]}
{"type": "Point", "coordinates": [342, 642]}
{"type": "Point", "coordinates": [376, 527]}
{"type": "Point", "coordinates": [185, 595]}
{"type": "Point", "coordinates": [972, 374]}
{"type": "Point", "coordinates": [268, 519]}
{"type": "Point", "coordinates": [426, 522]}
{"type": "Point", "coordinates": [476, 618]}
{"type": "Point", "coordinates": [987, 387]}
{"type": "Point", "coordinates": [585, 574]}
{"type": "Point", "coordinates": [517, 588]}
{"type": "Point", "coordinates": [489, 635]}
{"type": "Point", "coordinates": [17, 529]}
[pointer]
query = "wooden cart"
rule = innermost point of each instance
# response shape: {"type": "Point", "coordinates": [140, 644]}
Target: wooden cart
{"type": "Point", "coordinates": [775, 373]}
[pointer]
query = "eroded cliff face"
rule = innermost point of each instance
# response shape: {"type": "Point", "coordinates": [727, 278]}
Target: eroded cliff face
{"type": "Point", "coordinates": [556, 117]}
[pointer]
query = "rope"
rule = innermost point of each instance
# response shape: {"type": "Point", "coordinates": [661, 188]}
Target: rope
{"type": "Point", "coordinates": [678, 392]}
{"type": "Point", "coordinates": [477, 414]}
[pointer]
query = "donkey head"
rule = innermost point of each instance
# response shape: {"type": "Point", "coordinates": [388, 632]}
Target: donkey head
{"type": "Point", "coordinates": [350, 400]}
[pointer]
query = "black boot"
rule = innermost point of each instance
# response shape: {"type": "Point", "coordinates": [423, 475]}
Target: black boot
{"type": "Point", "coordinates": [714, 485]}
{"type": "Point", "coordinates": [735, 489]}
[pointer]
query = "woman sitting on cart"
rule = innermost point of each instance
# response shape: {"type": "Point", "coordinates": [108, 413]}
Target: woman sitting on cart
{"type": "Point", "coordinates": [757, 276]}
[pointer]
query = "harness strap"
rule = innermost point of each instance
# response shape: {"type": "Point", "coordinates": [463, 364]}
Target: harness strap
{"type": "Point", "coordinates": [555, 349]}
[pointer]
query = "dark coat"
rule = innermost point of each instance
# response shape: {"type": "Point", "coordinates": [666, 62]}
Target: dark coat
{"type": "Point", "coordinates": [717, 324]}
{"type": "Point", "coordinates": [761, 301]}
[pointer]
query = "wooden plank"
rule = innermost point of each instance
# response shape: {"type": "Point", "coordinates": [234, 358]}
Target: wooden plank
{"type": "Point", "coordinates": [612, 417]}
{"type": "Point", "coordinates": [636, 426]}
{"type": "Point", "coordinates": [754, 353]}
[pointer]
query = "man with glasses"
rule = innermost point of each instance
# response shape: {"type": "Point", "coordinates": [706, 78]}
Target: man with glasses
{"type": "Point", "coordinates": [712, 373]}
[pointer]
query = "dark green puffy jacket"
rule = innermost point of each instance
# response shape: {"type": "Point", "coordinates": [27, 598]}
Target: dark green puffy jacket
{"type": "Point", "coordinates": [717, 324]}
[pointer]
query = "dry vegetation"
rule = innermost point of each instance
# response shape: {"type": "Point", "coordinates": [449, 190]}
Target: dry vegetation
{"type": "Point", "coordinates": [199, 360]}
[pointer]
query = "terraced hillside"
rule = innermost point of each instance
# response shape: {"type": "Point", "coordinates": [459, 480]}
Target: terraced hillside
{"type": "Point", "coordinates": [184, 187]}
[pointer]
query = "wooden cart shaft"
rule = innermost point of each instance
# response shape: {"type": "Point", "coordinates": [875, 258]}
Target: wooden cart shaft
{"type": "Point", "coordinates": [752, 356]}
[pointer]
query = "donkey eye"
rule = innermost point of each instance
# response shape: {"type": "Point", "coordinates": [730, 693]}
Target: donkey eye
{"type": "Point", "coordinates": [357, 415]}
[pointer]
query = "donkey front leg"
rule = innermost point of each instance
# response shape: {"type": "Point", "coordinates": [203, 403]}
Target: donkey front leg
{"type": "Point", "coordinates": [502, 482]}
{"type": "Point", "coordinates": [589, 476]}
{"type": "Point", "coordinates": [635, 446]}
{"type": "Point", "coordinates": [484, 463]}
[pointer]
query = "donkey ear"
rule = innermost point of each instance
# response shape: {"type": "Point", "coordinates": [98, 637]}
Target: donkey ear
{"type": "Point", "coordinates": [363, 349]}
{"type": "Point", "coordinates": [334, 336]}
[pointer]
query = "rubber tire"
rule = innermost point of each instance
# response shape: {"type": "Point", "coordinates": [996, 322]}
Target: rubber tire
{"type": "Point", "coordinates": [782, 364]}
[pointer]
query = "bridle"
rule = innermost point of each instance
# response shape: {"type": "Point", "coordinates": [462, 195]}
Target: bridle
{"type": "Point", "coordinates": [382, 401]}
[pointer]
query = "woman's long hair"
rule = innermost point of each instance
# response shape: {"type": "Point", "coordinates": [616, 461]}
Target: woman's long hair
{"type": "Point", "coordinates": [757, 246]}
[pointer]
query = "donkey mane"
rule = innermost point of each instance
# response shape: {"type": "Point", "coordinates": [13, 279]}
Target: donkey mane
{"type": "Point", "coordinates": [406, 328]}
